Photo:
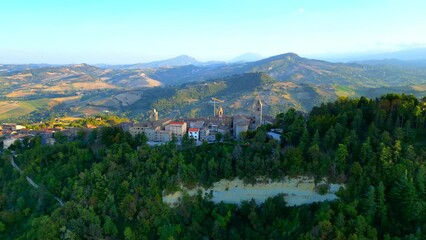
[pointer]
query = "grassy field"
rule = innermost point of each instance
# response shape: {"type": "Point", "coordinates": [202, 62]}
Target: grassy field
{"type": "Point", "coordinates": [21, 93]}
{"type": "Point", "coordinates": [79, 86]}
{"type": "Point", "coordinates": [55, 101]}
{"type": "Point", "coordinates": [420, 88]}
{"type": "Point", "coordinates": [21, 108]}
{"type": "Point", "coordinates": [344, 91]}
{"type": "Point", "coordinates": [69, 119]}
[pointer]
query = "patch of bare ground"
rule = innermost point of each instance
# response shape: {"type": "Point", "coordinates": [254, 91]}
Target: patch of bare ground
{"type": "Point", "coordinates": [419, 88]}
{"type": "Point", "coordinates": [296, 191]}
{"type": "Point", "coordinates": [55, 101]}
{"type": "Point", "coordinates": [6, 106]}
{"type": "Point", "coordinates": [21, 93]}
{"type": "Point", "coordinates": [286, 84]}
{"type": "Point", "coordinates": [129, 98]}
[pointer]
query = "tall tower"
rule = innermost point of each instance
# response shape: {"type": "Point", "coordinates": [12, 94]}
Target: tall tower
{"type": "Point", "coordinates": [153, 115]}
{"type": "Point", "coordinates": [258, 113]}
{"type": "Point", "coordinates": [220, 112]}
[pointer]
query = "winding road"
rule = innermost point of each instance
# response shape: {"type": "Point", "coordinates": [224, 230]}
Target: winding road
{"type": "Point", "coordinates": [29, 180]}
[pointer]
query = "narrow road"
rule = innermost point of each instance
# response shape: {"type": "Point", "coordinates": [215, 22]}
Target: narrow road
{"type": "Point", "coordinates": [29, 180]}
{"type": "Point", "coordinates": [15, 165]}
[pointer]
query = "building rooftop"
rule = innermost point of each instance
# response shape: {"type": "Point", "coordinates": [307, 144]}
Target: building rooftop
{"type": "Point", "coordinates": [177, 123]}
{"type": "Point", "coordinates": [193, 130]}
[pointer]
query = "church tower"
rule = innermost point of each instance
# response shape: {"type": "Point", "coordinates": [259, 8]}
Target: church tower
{"type": "Point", "coordinates": [258, 113]}
{"type": "Point", "coordinates": [153, 115]}
{"type": "Point", "coordinates": [220, 112]}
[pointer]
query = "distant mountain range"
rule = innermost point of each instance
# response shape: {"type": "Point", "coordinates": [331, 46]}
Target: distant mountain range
{"type": "Point", "coordinates": [290, 67]}
{"type": "Point", "coordinates": [247, 57]}
{"type": "Point", "coordinates": [182, 60]}
{"type": "Point", "coordinates": [408, 55]}
{"type": "Point", "coordinates": [281, 81]}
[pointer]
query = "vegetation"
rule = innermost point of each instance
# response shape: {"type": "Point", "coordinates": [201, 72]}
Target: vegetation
{"type": "Point", "coordinates": [112, 183]}
{"type": "Point", "coordinates": [196, 94]}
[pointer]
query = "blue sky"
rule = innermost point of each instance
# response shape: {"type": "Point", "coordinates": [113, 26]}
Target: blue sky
{"type": "Point", "coordinates": [125, 31]}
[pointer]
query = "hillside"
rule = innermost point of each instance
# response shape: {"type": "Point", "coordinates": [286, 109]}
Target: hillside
{"type": "Point", "coordinates": [291, 67]}
{"type": "Point", "coordinates": [186, 90]}
{"type": "Point", "coordinates": [60, 79]}
{"type": "Point", "coordinates": [107, 184]}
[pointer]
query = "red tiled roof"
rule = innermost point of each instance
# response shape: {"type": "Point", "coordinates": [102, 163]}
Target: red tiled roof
{"type": "Point", "coordinates": [193, 130]}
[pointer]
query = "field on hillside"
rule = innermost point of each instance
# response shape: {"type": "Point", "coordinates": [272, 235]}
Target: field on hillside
{"type": "Point", "coordinates": [344, 91]}
{"type": "Point", "coordinates": [13, 109]}
{"type": "Point", "coordinates": [55, 101]}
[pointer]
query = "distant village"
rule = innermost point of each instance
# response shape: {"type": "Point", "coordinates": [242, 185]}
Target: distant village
{"type": "Point", "coordinates": [159, 130]}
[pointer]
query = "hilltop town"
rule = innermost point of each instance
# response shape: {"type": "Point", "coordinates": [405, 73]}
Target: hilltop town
{"type": "Point", "coordinates": [157, 130]}
{"type": "Point", "coordinates": [200, 129]}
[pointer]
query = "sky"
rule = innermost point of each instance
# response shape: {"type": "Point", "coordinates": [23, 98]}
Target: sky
{"type": "Point", "coordinates": [127, 31]}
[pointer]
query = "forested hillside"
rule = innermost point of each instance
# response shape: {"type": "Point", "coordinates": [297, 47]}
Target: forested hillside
{"type": "Point", "coordinates": [112, 184]}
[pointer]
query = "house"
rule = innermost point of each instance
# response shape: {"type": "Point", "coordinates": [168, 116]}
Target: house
{"type": "Point", "coordinates": [177, 128]}
{"type": "Point", "coordinates": [274, 135]}
{"type": "Point", "coordinates": [153, 130]}
{"type": "Point", "coordinates": [12, 126]}
{"type": "Point", "coordinates": [50, 141]}
{"type": "Point", "coordinates": [241, 124]}
{"type": "Point", "coordinates": [148, 128]}
{"type": "Point", "coordinates": [9, 141]}
{"type": "Point", "coordinates": [196, 124]}
{"type": "Point", "coordinates": [204, 134]}
{"type": "Point", "coordinates": [163, 136]}
{"type": "Point", "coordinates": [194, 133]}
{"type": "Point", "coordinates": [157, 135]}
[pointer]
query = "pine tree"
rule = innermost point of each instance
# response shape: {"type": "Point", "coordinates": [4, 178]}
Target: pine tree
{"type": "Point", "coordinates": [381, 205]}
{"type": "Point", "coordinates": [370, 203]}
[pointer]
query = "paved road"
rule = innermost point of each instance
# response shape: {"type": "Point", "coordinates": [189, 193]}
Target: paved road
{"type": "Point", "coordinates": [29, 180]}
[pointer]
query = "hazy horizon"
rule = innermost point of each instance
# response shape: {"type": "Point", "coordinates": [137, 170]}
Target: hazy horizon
{"type": "Point", "coordinates": [125, 32]}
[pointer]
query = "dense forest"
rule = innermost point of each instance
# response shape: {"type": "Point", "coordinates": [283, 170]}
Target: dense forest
{"type": "Point", "coordinates": [111, 183]}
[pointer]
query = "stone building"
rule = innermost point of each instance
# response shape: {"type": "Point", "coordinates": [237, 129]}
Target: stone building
{"type": "Point", "coordinates": [153, 130]}
{"type": "Point", "coordinates": [177, 128]}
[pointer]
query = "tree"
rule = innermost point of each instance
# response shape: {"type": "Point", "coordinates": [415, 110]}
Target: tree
{"type": "Point", "coordinates": [218, 136]}
{"type": "Point", "coordinates": [370, 203]}
{"type": "Point", "coordinates": [43, 228]}
{"type": "Point", "coordinates": [381, 205]}
{"type": "Point", "coordinates": [293, 160]}
{"type": "Point", "coordinates": [330, 139]}
{"type": "Point", "coordinates": [341, 157]}
{"type": "Point", "coordinates": [2, 227]}
{"type": "Point", "coordinates": [366, 153]}
{"type": "Point", "coordinates": [128, 234]}
{"type": "Point", "coordinates": [109, 227]}
{"type": "Point", "coordinates": [304, 140]}
{"type": "Point", "coordinates": [316, 138]}
{"type": "Point", "coordinates": [128, 206]}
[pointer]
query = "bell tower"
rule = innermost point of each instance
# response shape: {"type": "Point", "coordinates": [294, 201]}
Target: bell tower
{"type": "Point", "coordinates": [259, 113]}
{"type": "Point", "coordinates": [153, 116]}
{"type": "Point", "coordinates": [220, 112]}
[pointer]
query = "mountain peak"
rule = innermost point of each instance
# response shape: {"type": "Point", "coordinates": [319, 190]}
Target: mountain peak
{"type": "Point", "coordinates": [289, 55]}
{"type": "Point", "coordinates": [285, 56]}
{"type": "Point", "coordinates": [184, 56]}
